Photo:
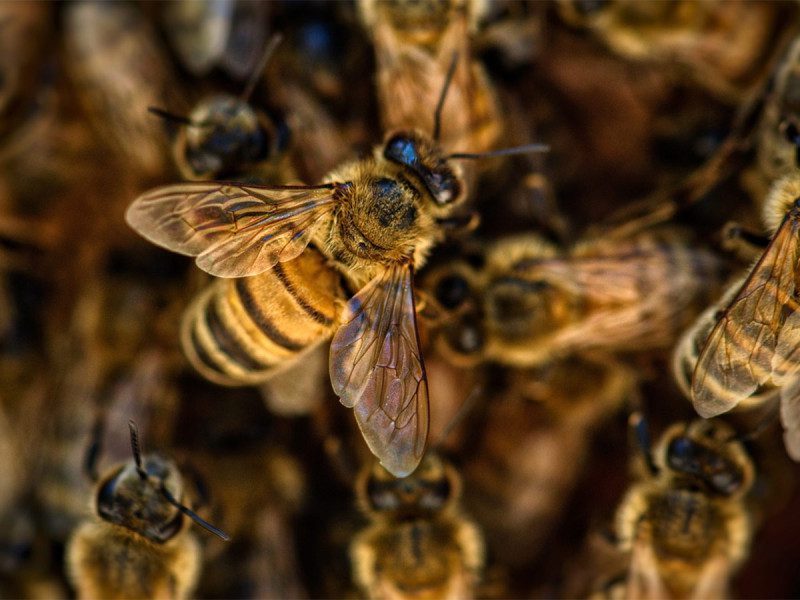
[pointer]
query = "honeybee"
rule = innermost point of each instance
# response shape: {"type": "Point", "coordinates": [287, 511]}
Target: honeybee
{"type": "Point", "coordinates": [418, 543]}
{"type": "Point", "coordinates": [138, 544]}
{"type": "Point", "coordinates": [694, 35]}
{"type": "Point", "coordinates": [224, 136]}
{"type": "Point", "coordinates": [777, 131]}
{"type": "Point", "coordinates": [686, 523]}
{"type": "Point", "coordinates": [374, 220]}
{"type": "Point", "coordinates": [414, 47]}
{"type": "Point", "coordinates": [529, 302]}
{"type": "Point", "coordinates": [119, 69]}
{"type": "Point", "coordinates": [752, 346]}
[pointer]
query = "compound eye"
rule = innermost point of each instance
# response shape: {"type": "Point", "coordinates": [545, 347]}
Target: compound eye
{"type": "Point", "coordinates": [402, 150]}
{"type": "Point", "coordinates": [681, 455]}
{"type": "Point", "coordinates": [451, 291]}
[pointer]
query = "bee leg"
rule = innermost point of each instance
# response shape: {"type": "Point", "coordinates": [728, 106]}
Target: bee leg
{"type": "Point", "coordinates": [743, 242]}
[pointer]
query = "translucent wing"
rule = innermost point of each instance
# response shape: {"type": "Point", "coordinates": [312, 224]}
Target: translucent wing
{"type": "Point", "coordinates": [644, 579]}
{"type": "Point", "coordinates": [376, 368]}
{"type": "Point", "coordinates": [739, 354]}
{"type": "Point", "coordinates": [234, 230]}
{"type": "Point", "coordinates": [790, 416]}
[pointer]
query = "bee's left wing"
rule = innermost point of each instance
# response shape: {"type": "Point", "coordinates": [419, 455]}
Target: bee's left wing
{"type": "Point", "coordinates": [740, 353]}
{"type": "Point", "coordinates": [786, 367]}
{"type": "Point", "coordinates": [376, 368]}
{"type": "Point", "coordinates": [234, 230]}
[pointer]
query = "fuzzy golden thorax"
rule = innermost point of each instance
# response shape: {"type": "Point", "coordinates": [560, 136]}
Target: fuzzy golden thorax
{"type": "Point", "coordinates": [125, 499]}
{"type": "Point", "coordinates": [387, 213]}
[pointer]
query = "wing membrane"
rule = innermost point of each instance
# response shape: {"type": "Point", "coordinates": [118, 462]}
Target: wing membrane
{"type": "Point", "coordinates": [234, 230]}
{"type": "Point", "coordinates": [740, 353]}
{"type": "Point", "coordinates": [376, 367]}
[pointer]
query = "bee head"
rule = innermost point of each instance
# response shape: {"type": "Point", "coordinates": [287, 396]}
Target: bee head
{"type": "Point", "coordinates": [431, 488]}
{"type": "Point", "coordinates": [705, 454]}
{"type": "Point", "coordinates": [225, 136]}
{"type": "Point", "coordinates": [127, 499]}
{"type": "Point", "coordinates": [420, 156]}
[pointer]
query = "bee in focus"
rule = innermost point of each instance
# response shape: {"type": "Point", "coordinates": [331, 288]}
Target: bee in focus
{"type": "Point", "coordinates": [753, 343]}
{"type": "Point", "coordinates": [118, 68]}
{"type": "Point", "coordinates": [686, 523]}
{"type": "Point", "coordinates": [527, 302]}
{"type": "Point", "coordinates": [374, 220]}
{"type": "Point", "coordinates": [138, 544]}
{"type": "Point", "coordinates": [418, 543]}
{"type": "Point", "coordinates": [694, 35]}
{"type": "Point", "coordinates": [414, 47]}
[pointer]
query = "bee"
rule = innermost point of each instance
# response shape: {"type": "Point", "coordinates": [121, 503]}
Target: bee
{"type": "Point", "coordinates": [694, 35]}
{"type": "Point", "coordinates": [414, 46]}
{"type": "Point", "coordinates": [529, 302]}
{"type": "Point", "coordinates": [686, 522]}
{"type": "Point", "coordinates": [375, 220]}
{"type": "Point", "coordinates": [138, 544]}
{"type": "Point", "coordinates": [753, 343]}
{"type": "Point", "coordinates": [225, 136]}
{"type": "Point", "coordinates": [118, 69]}
{"type": "Point", "coordinates": [777, 141]}
{"type": "Point", "coordinates": [418, 543]}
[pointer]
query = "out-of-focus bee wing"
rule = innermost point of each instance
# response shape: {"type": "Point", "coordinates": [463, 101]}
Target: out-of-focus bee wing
{"type": "Point", "coordinates": [376, 368]}
{"type": "Point", "coordinates": [739, 355]}
{"type": "Point", "coordinates": [234, 230]}
{"type": "Point", "coordinates": [786, 367]}
{"type": "Point", "coordinates": [712, 582]}
{"type": "Point", "coordinates": [644, 581]}
{"type": "Point", "coordinates": [790, 416]}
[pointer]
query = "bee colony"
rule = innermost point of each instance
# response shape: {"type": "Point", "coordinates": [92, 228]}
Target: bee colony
{"type": "Point", "coordinates": [399, 299]}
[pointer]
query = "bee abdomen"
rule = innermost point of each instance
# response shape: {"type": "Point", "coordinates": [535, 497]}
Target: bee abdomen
{"type": "Point", "coordinates": [240, 331]}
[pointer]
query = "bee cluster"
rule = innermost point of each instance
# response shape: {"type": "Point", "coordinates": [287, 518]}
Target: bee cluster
{"type": "Point", "coordinates": [490, 299]}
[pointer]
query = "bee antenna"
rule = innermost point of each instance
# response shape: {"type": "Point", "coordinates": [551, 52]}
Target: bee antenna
{"type": "Point", "coordinates": [437, 114]}
{"type": "Point", "coordinates": [168, 116]}
{"type": "Point", "coordinates": [466, 406]}
{"type": "Point", "coordinates": [273, 43]}
{"type": "Point", "coordinates": [641, 432]}
{"type": "Point", "coordinates": [137, 453]}
{"type": "Point", "coordinates": [527, 149]}
{"type": "Point", "coordinates": [193, 515]}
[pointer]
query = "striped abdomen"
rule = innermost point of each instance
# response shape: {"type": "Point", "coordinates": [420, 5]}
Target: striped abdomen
{"type": "Point", "coordinates": [241, 331]}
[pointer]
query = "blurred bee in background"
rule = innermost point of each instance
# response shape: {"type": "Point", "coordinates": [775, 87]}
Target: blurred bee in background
{"type": "Point", "coordinates": [118, 69]}
{"type": "Point", "coordinates": [753, 343]}
{"type": "Point", "coordinates": [528, 302]}
{"type": "Point", "coordinates": [225, 137]}
{"type": "Point", "coordinates": [375, 220]}
{"type": "Point", "coordinates": [532, 448]}
{"type": "Point", "coordinates": [138, 544]}
{"type": "Point", "coordinates": [418, 544]}
{"type": "Point", "coordinates": [686, 522]}
{"type": "Point", "coordinates": [694, 35]}
{"type": "Point", "coordinates": [777, 134]}
{"type": "Point", "coordinates": [228, 34]}
{"type": "Point", "coordinates": [414, 47]}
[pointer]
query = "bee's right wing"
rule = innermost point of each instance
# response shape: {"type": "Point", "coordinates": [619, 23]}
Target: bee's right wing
{"type": "Point", "coordinates": [740, 354]}
{"type": "Point", "coordinates": [644, 580]}
{"type": "Point", "coordinates": [235, 230]}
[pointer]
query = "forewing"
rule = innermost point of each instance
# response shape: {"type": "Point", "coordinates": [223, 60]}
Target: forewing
{"type": "Point", "coordinates": [644, 580]}
{"type": "Point", "coordinates": [376, 367]}
{"type": "Point", "coordinates": [234, 230]}
{"type": "Point", "coordinates": [739, 354]}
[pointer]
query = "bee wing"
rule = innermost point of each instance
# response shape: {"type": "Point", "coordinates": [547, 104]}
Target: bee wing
{"type": "Point", "coordinates": [376, 367]}
{"type": "Point", "coordinates": [644, 580]}
{"type": "Point", "coordinates": [790, 415]}
{"type": "Point", "coordinates": [712, 581]}
{"type": "Point", "coordinates": [234, 230]}
{"type": "Point", "coordinates": [740, 353]}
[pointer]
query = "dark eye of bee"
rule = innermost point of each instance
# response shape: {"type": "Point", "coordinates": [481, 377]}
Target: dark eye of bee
{"type": "Point", "coordinates": [438, 179]}
{"type": "Point", "coordinates": [685, 456]}
{"type": "Point", "coordinates": [590, 7]}
{"type": "Point", "coordinates": [467, 338]}
{"type": "Point", "coordinates": [451, 291]}
{"type": "Point", "coordinates": [436, 494]}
